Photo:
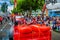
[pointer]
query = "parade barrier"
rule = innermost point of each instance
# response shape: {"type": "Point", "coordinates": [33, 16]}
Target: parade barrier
{"type": "Point", "coordinates": [32, 32]}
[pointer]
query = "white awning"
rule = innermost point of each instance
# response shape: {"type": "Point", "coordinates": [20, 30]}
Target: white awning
{"type": "Point", "coordinates": [53, 6]}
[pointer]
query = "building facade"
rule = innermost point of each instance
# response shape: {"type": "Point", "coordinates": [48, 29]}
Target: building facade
{"type": "Point", "coordinates": [53, 7]}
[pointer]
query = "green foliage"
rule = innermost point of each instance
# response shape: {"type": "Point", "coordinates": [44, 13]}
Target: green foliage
{"type": "Point", "coordinates": [23, 5]}
{"type": "Point", "coordinates": [12, 2]}
{"type": "Point", "coordinates": [4, 7]}
{"type": "Point", "coordinates": [14, 10]}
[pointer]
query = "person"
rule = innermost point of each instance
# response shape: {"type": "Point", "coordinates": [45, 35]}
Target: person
{"type": "Point", "coordinates": [58, 23]}
{"type": "Point", "coordinates": [54, 23]}
{"type": "Point", "coordinates": [1, 19]}
{"type": "Point", "coordinates": [38, 18]}
{"type": "Point", "coordinates": [34, 21]}
{"type": "Point", "coordinates": [47, 22]}
{"type": "Point", "coordinates": [15, 23]}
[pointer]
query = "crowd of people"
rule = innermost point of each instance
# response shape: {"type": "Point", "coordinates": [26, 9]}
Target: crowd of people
{"type": "Point", "coordinates": [53, 22]}
{"type": "Point", "coordinates": [49, 21]}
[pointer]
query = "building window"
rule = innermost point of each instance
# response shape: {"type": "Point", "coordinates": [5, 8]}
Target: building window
{"type": "Point", "coordinates": [57, 12]}
{"type": "Point", "coordinates": [53, 1]}
{"type": "Point", "coordinates": [50, 12]}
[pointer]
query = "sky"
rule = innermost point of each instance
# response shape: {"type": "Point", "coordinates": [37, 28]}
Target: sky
{"type": "Point", "coordinates": [2, 1]}
{"type": "Point", "coordinates": [59, 1]}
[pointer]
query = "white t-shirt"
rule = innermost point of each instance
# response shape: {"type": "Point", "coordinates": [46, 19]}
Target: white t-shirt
{"type": "Point", "coordinates": [18, 17]}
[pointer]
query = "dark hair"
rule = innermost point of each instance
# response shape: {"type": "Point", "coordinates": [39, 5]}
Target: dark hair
{"type": "Point", "coordinates": [16, 23]}
{"type": "Point", "coordinates": [59, 18]}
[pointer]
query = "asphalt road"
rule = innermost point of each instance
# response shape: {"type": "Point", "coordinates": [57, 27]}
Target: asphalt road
{"type": "Point", "coordinates": [4, 28]}
{"type": "Point", "coordinates": [55, 35]}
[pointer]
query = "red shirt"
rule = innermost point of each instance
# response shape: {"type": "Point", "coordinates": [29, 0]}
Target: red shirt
{"type": "Point", "coordinates": [1, 18]}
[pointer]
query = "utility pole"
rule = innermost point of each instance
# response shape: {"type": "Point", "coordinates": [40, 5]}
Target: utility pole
{"type": "Point", "coordinates": [43, 10]}
{"type": "Point", "coordinates": [15, 3]}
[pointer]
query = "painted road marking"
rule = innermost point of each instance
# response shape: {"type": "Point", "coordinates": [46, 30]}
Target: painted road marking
{"type": "Point", "coordinates": [4, 26]}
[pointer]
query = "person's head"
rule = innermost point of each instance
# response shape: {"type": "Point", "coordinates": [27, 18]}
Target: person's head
{"type": "Point", "coordinates": [16, 23]}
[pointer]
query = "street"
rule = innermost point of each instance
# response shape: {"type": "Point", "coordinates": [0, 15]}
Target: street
{"type": "Point", "coordinates": [40, 18]}
{"type": "Point", "coordinates": [55, 35]}
{"type": "Point", "coordinates": [7, 26]}
{"type": "Point", "coordinates": [5, 30]}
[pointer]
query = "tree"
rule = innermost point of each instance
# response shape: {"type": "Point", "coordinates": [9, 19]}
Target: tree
{"type": "Point", "coordinates": [4, 7]}
{"type": "Point", "coordinates": [24, 5]}
{"type": "Point", "coordinates": [30, 4]}
{"type": "Point", "coordinates": [12, 2]}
